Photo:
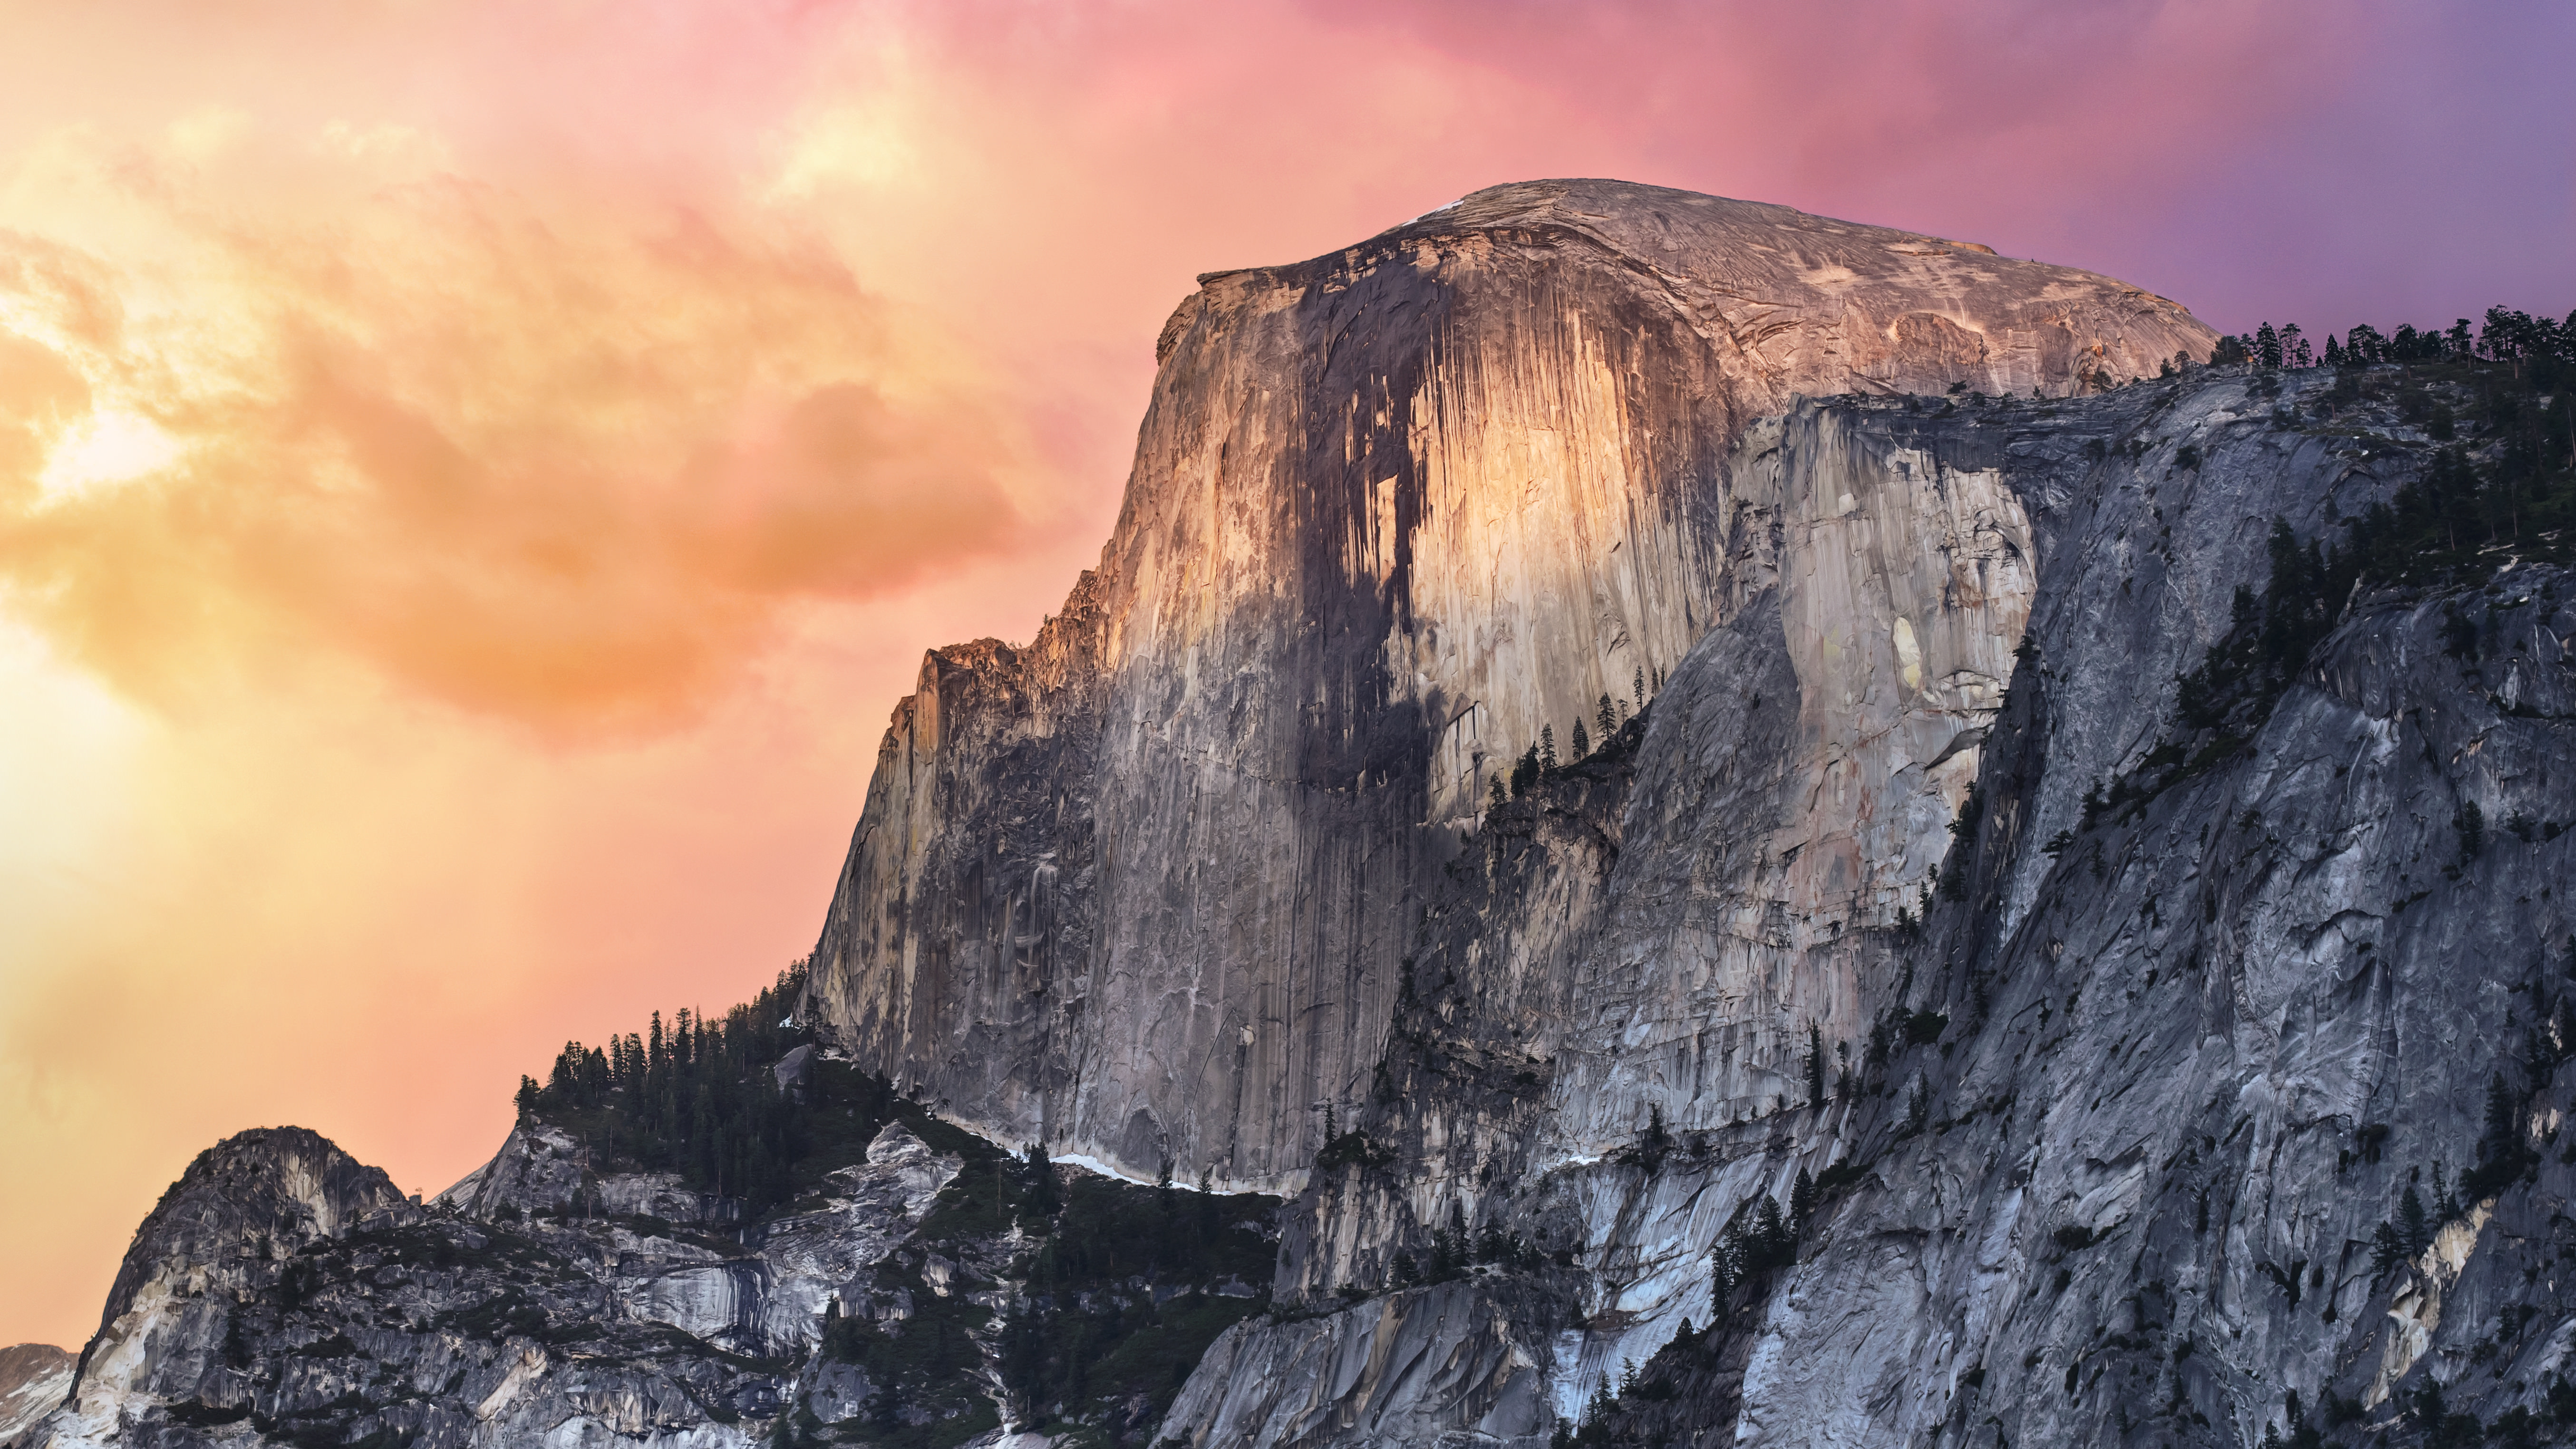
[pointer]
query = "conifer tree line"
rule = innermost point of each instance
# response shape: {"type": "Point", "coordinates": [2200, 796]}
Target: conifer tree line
{"type": "Point", "coordinates": [2506, 336]}
{"type": "Point", "coordinates": [1540, 759]}
{"type": "Point", "coordinates": [698, 1096]}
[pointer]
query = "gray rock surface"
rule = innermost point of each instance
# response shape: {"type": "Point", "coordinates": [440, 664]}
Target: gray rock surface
{"type": "Point", "coordinates": [283, 1292]}
{"type": "Point", "coordinates": [33, 1379]}
{"type": "Point", "coordinates": [1141, 888]}
{"type": "Point", "coordinates": [2178, 1067]}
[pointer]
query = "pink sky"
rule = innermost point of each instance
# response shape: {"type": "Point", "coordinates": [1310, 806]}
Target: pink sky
{"type": "Point", "coordinates": [474, 477]}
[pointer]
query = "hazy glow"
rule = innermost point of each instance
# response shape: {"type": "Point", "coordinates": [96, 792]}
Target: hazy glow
{"type": "Point", "coordinates": [105, 448]}
{"type": "Point", "coordinates": [474, 476]}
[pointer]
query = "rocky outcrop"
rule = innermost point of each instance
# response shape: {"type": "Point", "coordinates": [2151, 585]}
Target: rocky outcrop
{"type": "Point", "coordinates": [33, 1379]}
{"type": "Point", "coordinates": [922, 1285]}
{"type": "Point", "coordinates": [286, 1291]}
{"type": "Point", "coordinates": [1142, 889]}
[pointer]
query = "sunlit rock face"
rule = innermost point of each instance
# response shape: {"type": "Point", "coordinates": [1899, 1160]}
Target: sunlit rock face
{"type": "Point", "coordinates": [2162, 1073]}
{"type": "Point", "coordinates": [1142, 888]}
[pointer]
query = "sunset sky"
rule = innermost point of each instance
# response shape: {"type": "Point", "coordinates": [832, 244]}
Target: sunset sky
{"type": "Point", "coordinates": [474, 477]}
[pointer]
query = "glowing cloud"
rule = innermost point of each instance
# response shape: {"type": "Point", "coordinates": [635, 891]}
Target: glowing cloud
{"type": "Point", "coordinates": [555, 462]}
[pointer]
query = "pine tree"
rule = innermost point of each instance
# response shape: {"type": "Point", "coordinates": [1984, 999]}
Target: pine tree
{"type": "Point", "coordinates": [1546, 749]}
{"type": "Point", "coordinates": [1498, 794]}
{"type": "Point", "coordinates": [2414, 1234]}
{"type": "Point", "coordinates": [1802, 1203]}
{"type": "Point", "coordinates": [1582, 742]}
{"type": "Point", "coordinates": [2501, 1139]}
{"type": "Point", "coordinates": [1640, 686]}
{"type": "Point", "coordinates": [1042, 1197]}
{"type": "Point", "coordinates": [1607, 718]}
{"type": "Point", "coordinates": [1815, 1065]}
{"type": "Point", "coordinates": [1779, 1246]}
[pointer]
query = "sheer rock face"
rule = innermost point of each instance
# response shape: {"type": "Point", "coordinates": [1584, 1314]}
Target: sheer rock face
{"type": "Point", "coordinates": [2174, 1069]}
{"type": "Point", "coordinates": [1142, 888]}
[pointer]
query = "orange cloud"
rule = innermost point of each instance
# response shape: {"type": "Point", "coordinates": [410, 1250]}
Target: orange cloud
{"type": "Point", "coordinates": [562, 464]}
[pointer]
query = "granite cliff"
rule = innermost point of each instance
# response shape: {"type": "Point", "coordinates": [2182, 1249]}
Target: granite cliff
{"type": "Point", "coordinates": [1761, 831]}
{"type": "Point", "coordinates": [1142, 888]}
{"type": "Point", "coordinates": [2122, 1148]}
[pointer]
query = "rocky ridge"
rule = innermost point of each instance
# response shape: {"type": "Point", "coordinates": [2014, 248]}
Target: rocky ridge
{"type": "Point", "coordinates": [283, 1293]}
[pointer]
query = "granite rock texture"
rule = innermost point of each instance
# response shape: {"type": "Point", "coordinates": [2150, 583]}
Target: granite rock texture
{"type": "Point", "coordinates": [1142, 888]}
{"type": "Point", "coordinates": [283, 1292]}
{"type": "Point", "coordinates": [2150, 1085]}
{"type": "Point", "coordinates": [33, 1379]}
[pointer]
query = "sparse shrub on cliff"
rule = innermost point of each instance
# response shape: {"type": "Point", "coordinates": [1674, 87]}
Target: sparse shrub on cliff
{"type": "Point", "coordinates": [2471, 823]}
{"type": "Point", "coordinates": [1352, 1147]}
{"type": "Point", "coordinates": [1756, 1239]}
{"type": "Point", "coordinates": [1654, 1143]}
{"type": "Point", "coordinates": [1815, 1065]}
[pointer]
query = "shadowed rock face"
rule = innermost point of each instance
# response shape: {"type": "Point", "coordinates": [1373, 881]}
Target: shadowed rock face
{"type": "Point", "coordinates": [260, 1196]}
{"type": "Point", "coordinates": [285, 1292]}
{"type": "Point", "coordinates": [2176, 1062]}
{"type": "Point", "coordinates": [1141, 889]}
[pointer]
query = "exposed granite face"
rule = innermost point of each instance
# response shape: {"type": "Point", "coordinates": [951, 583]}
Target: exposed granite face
{"type": "Point", "coordinates": [2173, 1070]}
{"type": "Point", "coordinates": [284, 1292]}
{"type": "Point", "coordinates": [33, 1379]}
{"type": "Point", "coordinates": [1142, 888]}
